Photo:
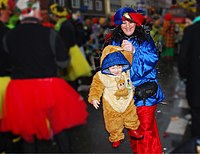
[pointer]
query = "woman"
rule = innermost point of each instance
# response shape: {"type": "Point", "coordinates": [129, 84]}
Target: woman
{"type": "Point", "coordinates": [130, 35]}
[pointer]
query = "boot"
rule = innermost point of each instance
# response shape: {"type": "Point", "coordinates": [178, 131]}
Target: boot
{"type": "Point", "coordinates": [135, 134]}
{"type": "Point", "coordinates": [116, 144]}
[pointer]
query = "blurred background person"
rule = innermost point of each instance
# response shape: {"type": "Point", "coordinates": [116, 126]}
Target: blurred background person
{"type": "Point", "coordinates": [189, 18]}
{"type": "Point", "coordinates": [38, 104]}
{"type": "Point", "coordinates": [46, 20]}
{"type": "Point", "coordinates": [168, 33]}
{"type": "Point", "coordinates": [156, 35]}
{"type": "Point", "coordinates": [79, 66]}
{"type": "Point", "coordinates": [5, 67]}
{"type": "Point", "coordinates": [188, 64]}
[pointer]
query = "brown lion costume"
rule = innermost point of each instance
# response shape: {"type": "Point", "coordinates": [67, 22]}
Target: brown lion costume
{"type": "Point", "coordinates": [117, 93]}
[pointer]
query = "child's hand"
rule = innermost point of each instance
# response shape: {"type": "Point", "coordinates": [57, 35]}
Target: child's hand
{"type": "Point", "coordinates": [96, 104]}
{"type": "Point", "coordinates": [126, 45]}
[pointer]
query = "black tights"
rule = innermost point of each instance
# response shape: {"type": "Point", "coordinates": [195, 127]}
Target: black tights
{"type": "Point", "coordinates": [62, 139]}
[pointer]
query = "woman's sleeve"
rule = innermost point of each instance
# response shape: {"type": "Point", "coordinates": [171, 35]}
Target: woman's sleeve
{"type": "Point", "coordinates": [145, 59]}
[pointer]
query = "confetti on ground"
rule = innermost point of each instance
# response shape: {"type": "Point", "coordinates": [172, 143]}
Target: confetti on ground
{"type": "Point", "coordinates": [183, 104]}
{"type": "Point", "coordinates": [158, 111]}
{"type": "Point", "coordinates": [177, 125]}
{"type": "Point", "coordinates": [164, 103]}
{"type": "Point", "coordinates": [188, 116]}
{"type": "Point", "coordinates": [165, 134]}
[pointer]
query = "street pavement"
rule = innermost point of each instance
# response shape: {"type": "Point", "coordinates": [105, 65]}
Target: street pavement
{"type": "Point", "coordinates": [172, 116]}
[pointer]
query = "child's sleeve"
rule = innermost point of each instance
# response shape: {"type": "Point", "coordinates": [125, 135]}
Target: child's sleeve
{"type": "Point", "coordinates": [96, 89]}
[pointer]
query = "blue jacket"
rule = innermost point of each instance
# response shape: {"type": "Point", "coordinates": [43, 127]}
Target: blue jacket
{"type": "Point", "coordinates": [144, 68]}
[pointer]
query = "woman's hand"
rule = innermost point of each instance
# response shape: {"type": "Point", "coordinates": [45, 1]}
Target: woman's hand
{"type": "Point", "coordinates": [126, 45]}
{"type": "Point", "coordinates": [95, 103]}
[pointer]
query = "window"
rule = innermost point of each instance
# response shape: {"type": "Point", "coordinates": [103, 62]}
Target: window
{"type": "Point", "coordinates": [99, 6]}
{"type": "Point", "coordinates": [88, 3]}
{"type": "Point", "coordinates": [75, 3]}
{"type": "Point", "coordinates": [55, 1]}
{"type": "Point", "coordinates": [62, 2]}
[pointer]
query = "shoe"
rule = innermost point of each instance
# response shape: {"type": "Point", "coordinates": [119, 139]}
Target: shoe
{"type": "Point", "coordinates": [116, 144]}
{"type": "Point", "coordinates": [135, 134]}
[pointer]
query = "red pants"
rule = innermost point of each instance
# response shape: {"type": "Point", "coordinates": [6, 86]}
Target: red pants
{"type": "Point", "coordinates": [148, 127]}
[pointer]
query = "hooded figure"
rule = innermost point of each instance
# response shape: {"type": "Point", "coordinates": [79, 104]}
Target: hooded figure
{"type": "Point", "coordinates": [116, 90]}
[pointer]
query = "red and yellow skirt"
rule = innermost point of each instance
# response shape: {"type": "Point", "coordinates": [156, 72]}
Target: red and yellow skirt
{"type": "Point", "coordinates": [38, 107]}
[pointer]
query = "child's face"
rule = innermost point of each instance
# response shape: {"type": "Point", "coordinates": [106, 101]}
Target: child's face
{"type": "Point", "coordinates": [115, 70]}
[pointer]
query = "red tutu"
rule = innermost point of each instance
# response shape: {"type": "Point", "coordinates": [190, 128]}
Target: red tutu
{"type": "Point", "coordinates": [148, 127]}
{"type": "Point", "coordinates": [34, 107]}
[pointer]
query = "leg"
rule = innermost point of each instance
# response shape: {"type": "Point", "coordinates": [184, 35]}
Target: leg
{"type": "Point", "coordinates": [132, 122]}
{"type": "Point", "coordinates": [63, 141]}
{"type": "Point", "coordinates": [148, 127]}
{"type": "Point", "coordinates": [195, 121]}
{"type": "Point", "coordinates": [130, 116]}
{"type": "Point", "coordinates": [113, 122]}
{"type": "Point", "coordinates": [29, 147]}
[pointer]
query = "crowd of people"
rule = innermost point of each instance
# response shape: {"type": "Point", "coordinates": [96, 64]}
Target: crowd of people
{"type": "Point", "coordinates": [43, 56]}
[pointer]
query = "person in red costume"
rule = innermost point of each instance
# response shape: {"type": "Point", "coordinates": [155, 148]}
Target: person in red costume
{"type": "Point", "coordinates": [38, 104]}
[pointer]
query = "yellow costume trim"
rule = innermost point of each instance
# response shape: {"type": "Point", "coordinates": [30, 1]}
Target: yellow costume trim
{"type": "Point", "coordinates": [4, 81]}
{"type": "Point", "coordinates": [16, 139]}
{"type": "Point", "coordinates": [3, 4]}
{"type": "Point", "coordinates": [55, 11]}
{"type": "Point", "coordinates": [79, 66]}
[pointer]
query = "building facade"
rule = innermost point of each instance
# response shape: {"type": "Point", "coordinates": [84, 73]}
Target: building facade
{"type": "Point", "coordinates": [86, 7]}
{"type": "Point", "coordinates": [104, 8]}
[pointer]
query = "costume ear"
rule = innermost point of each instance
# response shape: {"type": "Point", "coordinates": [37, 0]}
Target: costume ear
{"type": "Point", "coordinates": [109, 49]}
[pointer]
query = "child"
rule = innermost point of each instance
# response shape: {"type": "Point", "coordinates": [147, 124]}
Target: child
{"type": "Point", "coordinates": [113, 82]}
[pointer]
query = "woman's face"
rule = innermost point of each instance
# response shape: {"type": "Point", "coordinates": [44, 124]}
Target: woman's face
{"type": "Point", "coordinates": [128, 27]}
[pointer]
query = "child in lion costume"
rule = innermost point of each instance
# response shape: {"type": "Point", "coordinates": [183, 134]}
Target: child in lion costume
{"type": "Point", "coordinates": [114, 85]}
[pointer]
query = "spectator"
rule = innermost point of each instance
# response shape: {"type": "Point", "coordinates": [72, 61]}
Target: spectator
{"type": "Point", "coordinates": [5, 67]}
{"type": "Point", "coordinates": [38, 104]}
{"type": "Point", "coordinates": [79, 66]}
{"type": "Point", "coordinates": [168, 33]}
{"type": "Point", "coordinates": [188, 64]}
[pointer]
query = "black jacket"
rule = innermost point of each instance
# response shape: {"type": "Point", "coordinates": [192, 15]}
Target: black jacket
{"type": "Point", "coordinates": [189, 63]}
{"type": "Point", "coordinates": [36, 51]}
{"type": "Point", "coordinates": [4, 58]}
